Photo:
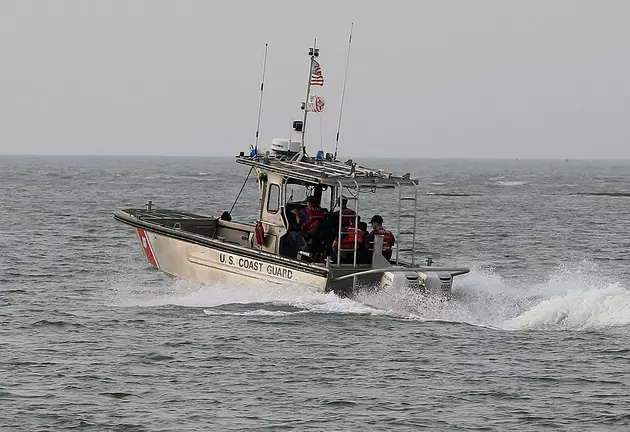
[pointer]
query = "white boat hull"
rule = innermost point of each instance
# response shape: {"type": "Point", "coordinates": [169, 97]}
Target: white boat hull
{"type": "Point", "coordinates": [204, 264]}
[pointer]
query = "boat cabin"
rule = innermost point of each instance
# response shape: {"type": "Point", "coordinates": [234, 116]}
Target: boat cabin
{"type": "Point", "coordinates": [286, 182]}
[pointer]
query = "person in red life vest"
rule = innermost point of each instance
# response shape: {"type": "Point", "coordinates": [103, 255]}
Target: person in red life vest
{"type": "Point", "coordinates": [347, 215]}
{"type": "Point", "coordinates": [388, 237]}
{"type": "Point", "coordinates": [311, 216]}
{"type": "Point", "coordinates": [348, 237]}
{"type": "Point", "coordinates": [310, 219]}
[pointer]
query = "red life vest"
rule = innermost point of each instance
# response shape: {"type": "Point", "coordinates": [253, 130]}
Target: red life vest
{"type": "Point", "coordinates": [347, 217]}
{"type": "Point", "coordinates": [347, 239]}
{"type": "Point", "coordinates": [388, 239]}
{"type": "Point", "coordinates": [260, 233]}
{"type": "Point", "coordinates": [313, 216]}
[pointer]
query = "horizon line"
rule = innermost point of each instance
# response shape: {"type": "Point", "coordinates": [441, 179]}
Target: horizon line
{"type": "Point", "coordinates": [339, 158]}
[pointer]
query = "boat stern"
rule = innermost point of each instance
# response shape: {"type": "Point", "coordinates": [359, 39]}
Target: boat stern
{"type": "Point", "coordinates": [434, 282]}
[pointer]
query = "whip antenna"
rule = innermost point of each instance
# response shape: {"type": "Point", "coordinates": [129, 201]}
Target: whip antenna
{"type": "Point", "coordinates": [262, 88]}
{"type": "Point", "coordinates": [343, 91]}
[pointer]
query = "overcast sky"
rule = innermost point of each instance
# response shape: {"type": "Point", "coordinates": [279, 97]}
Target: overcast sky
{"type": "Point", "coordinates": [542, 79]}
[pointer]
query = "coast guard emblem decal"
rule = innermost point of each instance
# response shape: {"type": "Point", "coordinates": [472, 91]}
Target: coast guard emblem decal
{"type": "Point", "coordinates": [148, 250]}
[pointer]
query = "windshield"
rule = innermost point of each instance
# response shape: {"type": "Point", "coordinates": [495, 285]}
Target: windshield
{"type": "Point", "coordinates": [298, 192]}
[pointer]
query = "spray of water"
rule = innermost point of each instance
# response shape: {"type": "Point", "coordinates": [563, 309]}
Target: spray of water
{"type": "Point", "coordinates": [578, 298]}
{"type": "Point", "coordinates": [573, 298]}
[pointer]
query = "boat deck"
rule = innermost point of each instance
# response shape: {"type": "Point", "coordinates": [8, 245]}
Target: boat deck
{"type": "Point", "coordinates": [189, 222]}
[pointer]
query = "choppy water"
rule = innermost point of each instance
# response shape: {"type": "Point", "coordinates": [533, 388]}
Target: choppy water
{"type": "Point", "coordinates": [93, 338]}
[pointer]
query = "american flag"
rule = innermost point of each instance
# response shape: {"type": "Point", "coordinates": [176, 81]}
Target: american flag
{"type": "Point", "coordinates": [316, 75]}
{"type": "Point", "coordinates": [316, 104]}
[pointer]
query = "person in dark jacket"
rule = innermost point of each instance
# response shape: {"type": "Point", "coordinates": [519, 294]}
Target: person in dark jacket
{"type": "Point", "coordinates": [363, 227]}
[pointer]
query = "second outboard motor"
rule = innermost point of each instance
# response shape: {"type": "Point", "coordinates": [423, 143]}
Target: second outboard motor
{"type": "Point", "coordinates": [437, 283]}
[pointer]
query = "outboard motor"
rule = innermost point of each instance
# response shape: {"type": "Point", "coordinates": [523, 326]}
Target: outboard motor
{"type": "Point", "coordinates": [400, 280]}
{"type": "Point", "coordinates": [434, 283]}
{"type": "Point", "coordinates": [439, 284]}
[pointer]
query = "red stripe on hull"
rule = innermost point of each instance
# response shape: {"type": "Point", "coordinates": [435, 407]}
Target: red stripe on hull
{"type": "Point", "coordinates": [144, 241]}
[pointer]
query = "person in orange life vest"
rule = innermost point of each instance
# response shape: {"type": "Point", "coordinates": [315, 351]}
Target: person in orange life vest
{"type": "Point", "coordinates": [388, 237]}
{"type": "Point", "coordinates": [347, 214]}
{"type": "Point", "coordinates": [300, 215]}
{"type": "Point", "coordinates": [309, 220]}
{"type": "Point", "coordinates": [348, 236]}
{"type": "Point", "coordinates": [310, 217]}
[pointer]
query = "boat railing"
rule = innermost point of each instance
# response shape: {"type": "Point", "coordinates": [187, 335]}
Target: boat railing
{"type": "Point", "coordinates": [402, 233]}
{"type": "Point", "coordinates": [354, 250]}
{"type": "Point", "coordinates": [326, 172]}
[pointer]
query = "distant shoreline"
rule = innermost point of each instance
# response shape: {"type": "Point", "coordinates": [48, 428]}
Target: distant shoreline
{"type": "Point", "coordinates": [498, 159]}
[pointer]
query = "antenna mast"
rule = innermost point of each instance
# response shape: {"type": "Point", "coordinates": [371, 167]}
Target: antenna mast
{"type": "Point", "coordinates": [343, 91]}
{"type": "Point", "coordinates": [262, 87]}
{"type": "Point", "coordinates": [313, 52]}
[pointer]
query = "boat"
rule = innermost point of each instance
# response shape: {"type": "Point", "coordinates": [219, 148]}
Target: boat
{"type": "Point", "coordinates": [205, 248]}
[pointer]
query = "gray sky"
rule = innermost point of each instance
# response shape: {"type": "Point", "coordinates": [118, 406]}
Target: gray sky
{"type": "Point", "coordinates": [438, 78]}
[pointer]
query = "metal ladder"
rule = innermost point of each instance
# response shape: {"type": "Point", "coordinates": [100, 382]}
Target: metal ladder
{"type": "Point", "coordinates": [355, 224]}
{"type": "Point", "coordinates": [413, 216]}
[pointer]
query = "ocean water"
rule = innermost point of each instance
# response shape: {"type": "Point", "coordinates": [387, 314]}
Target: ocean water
{"type": "Point", "coordinates": [535, 339]}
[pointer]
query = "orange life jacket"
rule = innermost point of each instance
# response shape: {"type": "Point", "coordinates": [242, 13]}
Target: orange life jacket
{"type": "Point", "coordinates": [388, 239]}
{"type": "Point", "coordinates": [313, 216]}
{"type": "Point", "coordinates": [347, 239]}
{"type": "Point", "coordinates": [347, 217]}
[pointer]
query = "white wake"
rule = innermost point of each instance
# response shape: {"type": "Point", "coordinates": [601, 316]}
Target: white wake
{"type": "Point", "coordinates": [577, 298]}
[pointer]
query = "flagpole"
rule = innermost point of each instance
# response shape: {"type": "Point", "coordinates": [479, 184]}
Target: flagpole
{"type": "Point", "coordinates": [313, 53]}
{"type": "Point", "coordinates": [343, 91]}
{"type": "Point", "coordinates": [262, 87]}
{"type": "Point", "coordinates": [321, 134]}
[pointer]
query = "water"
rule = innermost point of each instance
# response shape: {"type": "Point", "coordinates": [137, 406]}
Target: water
{"type": "Point", "coordinates": [536, 338]}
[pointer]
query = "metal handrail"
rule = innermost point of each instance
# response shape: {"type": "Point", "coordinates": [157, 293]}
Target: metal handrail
{"type": "Point", "coordinates": [454, 271]}
{"type": "Point", "coordinates": [340, 224]}
{"type": "Point", "coordinates": [398, 225]}
{"type": "Point", "coordinates": [415, 222]}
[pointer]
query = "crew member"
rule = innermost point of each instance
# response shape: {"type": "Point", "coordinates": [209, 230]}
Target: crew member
{"type": "Point", "coordinates": [311, 217]}
{"type": "Point", "coordinates": [309, 221]}
{"type": "Point", "coordinates": [348, 237]}
{"type": "Point", "coordinates": [388, 237]}
{"type": "Point", "coordinates": [365, 257]}
{"type": "Point", "coordinates": [347, 215]}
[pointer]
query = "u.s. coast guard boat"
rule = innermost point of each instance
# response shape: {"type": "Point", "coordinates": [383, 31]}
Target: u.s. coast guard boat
{"type": "Point", "coordinates": [206, 249]}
